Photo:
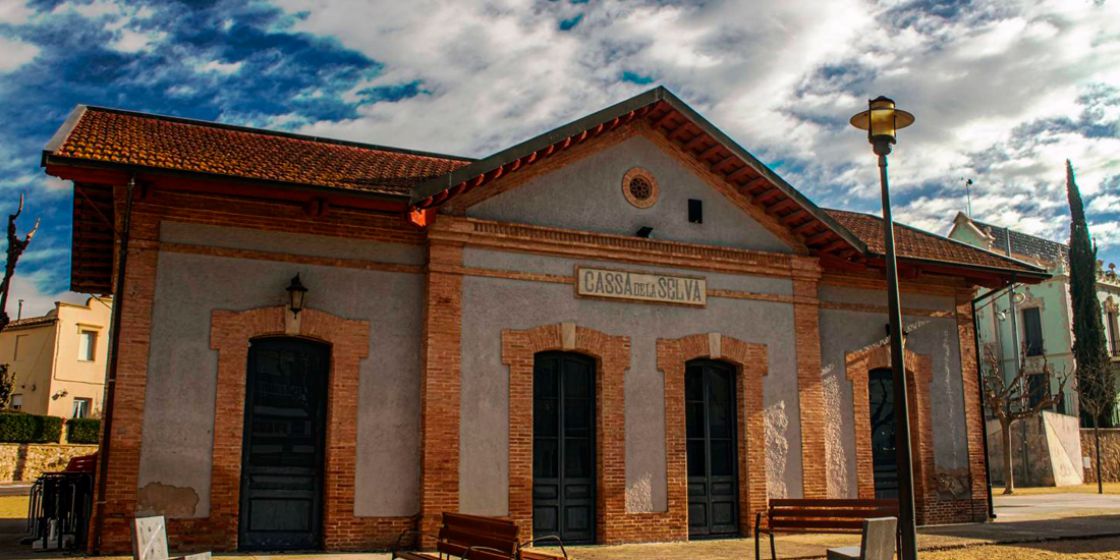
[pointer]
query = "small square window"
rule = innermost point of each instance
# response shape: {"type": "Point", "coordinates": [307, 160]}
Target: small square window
{"type": "Point", "coordinates": [81, 408]}
{"type": "Point", "coordinates": [87, 345]}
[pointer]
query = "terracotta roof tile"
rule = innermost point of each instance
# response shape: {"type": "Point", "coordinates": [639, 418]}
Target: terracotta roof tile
{"type": "Point", "coordinates": [29, 322]}
{"type": "Point", "coordinates": [917, 244]}
{"type": "Point", "coordinates": [121, 137]}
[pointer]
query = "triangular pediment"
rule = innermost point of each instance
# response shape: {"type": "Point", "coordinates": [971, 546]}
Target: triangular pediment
{"type": "Point", "coordinates": [768, 205]}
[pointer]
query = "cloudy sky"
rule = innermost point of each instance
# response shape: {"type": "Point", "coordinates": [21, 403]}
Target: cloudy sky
{"type": "Point", "coordinates": [1004, 92]}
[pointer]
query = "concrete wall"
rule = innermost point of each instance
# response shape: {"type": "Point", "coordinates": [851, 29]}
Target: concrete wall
{"type": "Point", "coordinates": [844, 331]}
{"type": "Point", "coordinates": [493, 304]}
{"type": "Point", "coordinates": [1046, 450]}
{"type": "Point", "coordinates": [587, 195]}
{"type": "Point", "coordinates": [179, 410]}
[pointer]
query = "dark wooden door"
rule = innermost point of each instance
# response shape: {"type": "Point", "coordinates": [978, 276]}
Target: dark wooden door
{"type": "Point", "coordinates": [711, 431]}
{"type": "Point", "coordinates": [880, 394]}
{"type": "Point", "coordinates": [282, 457]}
{"type": "Point", "coordinates": [564, 447]}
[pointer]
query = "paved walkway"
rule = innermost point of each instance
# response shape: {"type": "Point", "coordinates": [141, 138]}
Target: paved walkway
{"type": "Point", "coordinates": [1021, 519]}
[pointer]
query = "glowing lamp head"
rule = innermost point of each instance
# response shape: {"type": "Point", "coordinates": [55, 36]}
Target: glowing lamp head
{"type": "Point", "coordinates": [882, 121]}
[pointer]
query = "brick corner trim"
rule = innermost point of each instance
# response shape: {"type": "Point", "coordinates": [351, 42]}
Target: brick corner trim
{"type": "Point", "coordinates": [751, 362]}
{"type": "Point", "coordinates": [231, 333]}
{"type": "Point", "coordinates": [919, 370]}
{"type": "Point", "coordinates": [612, 359]}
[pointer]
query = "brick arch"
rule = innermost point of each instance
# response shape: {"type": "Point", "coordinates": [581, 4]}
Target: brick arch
{"type": "Point", "coordinates": [751, 362]}
{"type": "Point", "coordinates": [230, 334]}
{"type": "Point", "coordinates": [612, 359]}
{"type": "Point", "coordinates": [919, 376]}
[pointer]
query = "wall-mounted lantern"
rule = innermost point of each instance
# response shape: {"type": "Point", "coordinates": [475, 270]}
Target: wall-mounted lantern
{"type": "Point", "coordinates": [297, 293]}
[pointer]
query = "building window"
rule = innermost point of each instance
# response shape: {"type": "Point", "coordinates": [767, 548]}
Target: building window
{"type": "Point", "coordinates": [87, 344]}
{"type": "Point", "coordinates": [1032, 331]}
{"type": "Point", "coordinates": [17, 402]}
{"type": "Point", "coordinates": [21, 341]}
{"type": "Point", "coordinates": [639, 187]}
{"type": "Point", "coordinates": [1113, 335]}
{"type": "Point", "coordinates": [81, 408]}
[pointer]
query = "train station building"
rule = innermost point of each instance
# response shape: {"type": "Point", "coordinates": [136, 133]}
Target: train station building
{"type": "Point", "coordinates": [625, 329]}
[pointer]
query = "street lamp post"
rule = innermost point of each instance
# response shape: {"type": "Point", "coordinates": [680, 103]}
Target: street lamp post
{"type": "Point", "coordinates": [882, 121]}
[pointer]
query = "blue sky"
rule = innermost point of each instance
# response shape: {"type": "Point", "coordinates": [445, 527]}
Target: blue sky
{"type": "Point", "coordinates": [1004, 91]}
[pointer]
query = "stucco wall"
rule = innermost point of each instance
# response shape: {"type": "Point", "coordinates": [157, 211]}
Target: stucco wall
{"type": "Point", "coordinates": [179, 410]}
{"type": "Point", "coordinates": [587, 195]}
{"type": "Point", "coordinates": [493, 304]}
{"type": "Point", "coordinates": [844, 331]}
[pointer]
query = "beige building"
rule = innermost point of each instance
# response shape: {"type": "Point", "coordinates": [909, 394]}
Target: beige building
{"type": "Point", "coordinates": [59, 359]}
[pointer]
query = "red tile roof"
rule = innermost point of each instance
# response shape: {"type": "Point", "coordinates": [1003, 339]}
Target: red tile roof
{"type": "Point", "coordinates": [122, 137]}
{"type": "Point", "coordinates": [914, 243]}
{"type": "Point", "coordinates": [29, 322]}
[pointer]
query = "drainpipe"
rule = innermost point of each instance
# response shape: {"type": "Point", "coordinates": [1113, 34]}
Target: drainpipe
{"type": "Point", "coordinates": [94, 538]}
{"type": "Point", "coordinates": [983, 407]}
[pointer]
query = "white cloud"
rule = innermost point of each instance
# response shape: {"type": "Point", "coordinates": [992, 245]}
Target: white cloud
{"type": "Point", "coordinates": [35, 301]}
{"type": "Point", "coordinates": [219, 67]}
{"type": "Point", "coordinates": [15, 53]}
{"type": "Point", "coordinates": [781, 78]}
{"type": "Point", "coordinates": [131, 41]}
{"type": "Point", "coordinates": [14, 12]}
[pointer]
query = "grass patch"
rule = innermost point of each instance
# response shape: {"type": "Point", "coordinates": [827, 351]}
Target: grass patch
{"type": "Point", "coordinates": [1109, 488]}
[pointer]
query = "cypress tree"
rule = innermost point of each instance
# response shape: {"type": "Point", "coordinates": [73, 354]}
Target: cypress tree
{"type": "Point", "coordinates": [1095, 382]}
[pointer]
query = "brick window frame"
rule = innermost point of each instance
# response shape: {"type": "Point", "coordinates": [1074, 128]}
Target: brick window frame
{"type": "Point", "coordinates": [612, 358]}
{"type": "Point", "coordinates": [231, 333]}
{"type": "Point", "coordinates": [750, 362]}
{"type": "Point", "coordinates": [919, 376]}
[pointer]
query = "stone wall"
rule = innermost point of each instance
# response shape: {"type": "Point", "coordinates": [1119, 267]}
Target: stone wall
{"type": "Point", "coordinates": [1110, 454]}
{"type": "Point", "coordinates": [24, 462]}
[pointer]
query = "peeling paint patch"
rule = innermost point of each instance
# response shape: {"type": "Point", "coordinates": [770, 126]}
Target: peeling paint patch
{"type": "Point", "coordinates": [639, 495]}
{"type": "Point", "coordinates": [162, 499]}
{"type": "Point", "coordinates": [777, 450]}
{"type": "Point", "coordinates": [833, 442]}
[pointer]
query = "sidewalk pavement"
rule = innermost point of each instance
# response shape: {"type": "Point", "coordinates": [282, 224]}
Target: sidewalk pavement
{"type": "Point", "coordinates": [1020, 519]}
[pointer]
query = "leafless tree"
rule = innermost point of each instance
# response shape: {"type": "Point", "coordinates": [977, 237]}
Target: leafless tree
{"type": "Point", "coordinates": [1096, 393]}
{"type": "Point", "coordinates": [1011, 400]}
{"type": "Point", "coordinates": [16, 247]}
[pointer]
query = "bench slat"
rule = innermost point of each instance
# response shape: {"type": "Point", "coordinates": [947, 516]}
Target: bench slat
{"type": "Point", "coordinates": [824, 502]}
{"type": "Point", "coordinates": [820, 523]}
{"type": "Point", "coordinates": [834, 513]}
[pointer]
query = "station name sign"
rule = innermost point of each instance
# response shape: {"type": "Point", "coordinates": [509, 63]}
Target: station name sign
{"type": "Point", "coordinates": [638, 286]}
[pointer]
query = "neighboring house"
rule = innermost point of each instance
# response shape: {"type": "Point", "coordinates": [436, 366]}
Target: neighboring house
{"type": "Point", "coordinates": [1041, 325]}
{"type": "Point", "coordinates": [58, 360]}
{"type": "Point", "coordinates": [625, 329]}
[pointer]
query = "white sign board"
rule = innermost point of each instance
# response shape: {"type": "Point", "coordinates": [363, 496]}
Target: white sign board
{"type": "Point", "coordinates": [639, 286]}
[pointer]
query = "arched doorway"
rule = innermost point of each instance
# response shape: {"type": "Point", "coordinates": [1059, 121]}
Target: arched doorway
{"type": "Point", "coordinates": [712, 449]}
{"type": "Point", "coordinates": [283, 443]}
{"type": "Point", "coordinates": [880, 396]}
{"type": "Point", "coordinates": [564, 462]}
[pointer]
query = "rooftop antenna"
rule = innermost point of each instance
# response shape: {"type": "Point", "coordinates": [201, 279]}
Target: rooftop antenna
{"type": "Point", "coordinates": [19, 310]}
{"type": "Point", "coordinates": [968, 194]}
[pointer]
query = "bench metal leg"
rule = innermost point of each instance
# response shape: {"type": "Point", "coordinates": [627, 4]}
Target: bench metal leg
{"type": "Point", "coordinates": [773, 553]}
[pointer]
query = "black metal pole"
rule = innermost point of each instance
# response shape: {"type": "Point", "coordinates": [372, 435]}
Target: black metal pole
{"type": "Point", "coordinates": [906, 523]}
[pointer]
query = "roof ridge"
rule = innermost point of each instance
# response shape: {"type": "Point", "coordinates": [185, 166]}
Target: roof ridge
{"type": "Point", "coordinates": [938, 236]}
{"type": "Point", "coordinates": [268, 132]}
{"type": "Point", "coordinates": [1019, 232]}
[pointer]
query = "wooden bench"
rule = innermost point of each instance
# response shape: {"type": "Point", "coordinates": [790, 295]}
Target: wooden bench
{"type": "Point", "coordinates": [818, 516]}
{"type": "Point", "coordinates": [476, 537]}
{"type": "Point", "coordinates": [83, 464]}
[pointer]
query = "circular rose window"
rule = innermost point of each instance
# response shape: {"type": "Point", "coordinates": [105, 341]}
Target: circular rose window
{"type": "Point", "coordinates": [639, 188]}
